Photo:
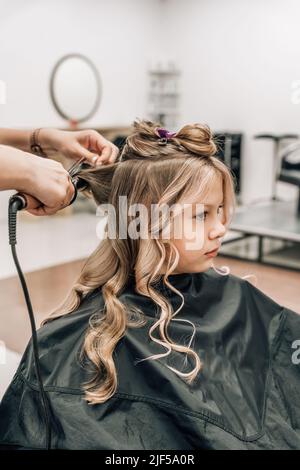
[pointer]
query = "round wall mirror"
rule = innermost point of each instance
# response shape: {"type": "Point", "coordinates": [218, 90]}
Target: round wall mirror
{"type": "Point", "coordinates": [75, 88]}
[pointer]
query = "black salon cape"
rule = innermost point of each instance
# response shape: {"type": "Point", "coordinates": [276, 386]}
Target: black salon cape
{"type": "Point", "coordinates": [247, 395]}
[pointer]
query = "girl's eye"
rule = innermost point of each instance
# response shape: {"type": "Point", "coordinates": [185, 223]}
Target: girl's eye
{"type": "Point", "coordinates": [220, 207]}
{"type": "Point", "coordinates": [201, 216]}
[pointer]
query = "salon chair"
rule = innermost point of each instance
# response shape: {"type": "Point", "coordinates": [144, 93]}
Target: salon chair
{"type": "Point", "coordinates": [278, 140]}
{"type": "Point", "coordinates": [282, 171]}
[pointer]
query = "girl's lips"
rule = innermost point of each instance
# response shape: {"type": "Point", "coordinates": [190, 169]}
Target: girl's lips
{"type": "Point", "coordinates": [212, 253]}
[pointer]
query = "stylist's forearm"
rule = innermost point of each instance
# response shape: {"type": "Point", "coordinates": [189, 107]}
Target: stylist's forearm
{"type": "Point", "coordinates": [15, 138]}
{"type": "Point", "coordinates": [21, 139]}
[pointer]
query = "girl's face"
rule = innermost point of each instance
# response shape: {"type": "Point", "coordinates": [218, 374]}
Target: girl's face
{"type": "Point", "coordinates": [203, 227]}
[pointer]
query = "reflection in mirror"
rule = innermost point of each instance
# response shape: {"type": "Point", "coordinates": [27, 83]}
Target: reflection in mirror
{"type": "Point", "coordinates": [75, 88]}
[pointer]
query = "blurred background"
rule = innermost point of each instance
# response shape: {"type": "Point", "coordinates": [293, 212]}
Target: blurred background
{"type": "Point", "coordinates": [75, 64]}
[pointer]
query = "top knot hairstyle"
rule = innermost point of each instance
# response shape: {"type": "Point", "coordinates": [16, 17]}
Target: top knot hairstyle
{"type": "Point", "coordinates": [144, 143]}
{"type": "Point", "coordinates": [146, 172]}
{"type": "Point", "coordinates": [190, 140]}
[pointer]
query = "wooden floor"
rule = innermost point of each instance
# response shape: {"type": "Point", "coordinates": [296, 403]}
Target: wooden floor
{"type": "Point", "coordinates": [48, 288]}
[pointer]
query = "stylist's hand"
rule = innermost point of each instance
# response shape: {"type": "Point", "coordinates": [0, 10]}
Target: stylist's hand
{"type": "Point", "coordinates": [77, 144]}
{"type": "Point", "coordinates": [45, 180]}
{"type": "Point", "coordinates": [50, 184]}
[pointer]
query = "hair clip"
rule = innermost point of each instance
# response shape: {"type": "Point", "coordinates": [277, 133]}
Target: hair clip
{"type": "Point", "coordinates": [164, 135]}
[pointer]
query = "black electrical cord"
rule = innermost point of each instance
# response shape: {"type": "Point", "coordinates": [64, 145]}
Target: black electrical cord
{"type": "Point", "coordinates": [17, 203]}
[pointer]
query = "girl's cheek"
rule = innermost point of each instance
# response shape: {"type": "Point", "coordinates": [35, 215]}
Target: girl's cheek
{"type": "Point", "coordinates": [189, 235]}
{"type": "Point", "coordinates": [196, 242]}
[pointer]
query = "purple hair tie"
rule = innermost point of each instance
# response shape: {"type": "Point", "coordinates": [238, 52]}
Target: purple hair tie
{"type": "Point", "coordinates": [164, 135]}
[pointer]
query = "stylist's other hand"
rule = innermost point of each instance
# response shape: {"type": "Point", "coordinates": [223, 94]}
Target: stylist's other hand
{"type": "Point", "coordinates": [77, 144]}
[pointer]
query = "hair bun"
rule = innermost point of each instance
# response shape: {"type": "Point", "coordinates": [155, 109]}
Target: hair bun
{"type": "Point", "coordinates": [197, 139]}
{"type": "Point", "coordinates": [145, 141]}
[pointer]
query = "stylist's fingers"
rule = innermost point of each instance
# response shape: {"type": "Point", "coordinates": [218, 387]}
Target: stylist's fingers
{"type": "Point", "coordinates": [93, 147]}
{"type": "Point", "coordinates": [44, 210]}
{"type": "Point", "coordinates": [106, 150]}
{"type": "Point", "coordinates": [79, 152]}
{"type": "Point", "coordinates": [62, 199]}
{"type": "Point", "coordinates": [63, 203]}
{"type": "Point", "coordinates": [69, 195]}
{"type": "Point", "coordinates": [38, 211]}
{"type": "Point", "coordinates": [115, 153]}
{"type": "Point", "coordinates": [31, 202]}
{"type": "Point", "coordinates": [105, 156]}
{"type": "Point", "coordinates": [109, 153]}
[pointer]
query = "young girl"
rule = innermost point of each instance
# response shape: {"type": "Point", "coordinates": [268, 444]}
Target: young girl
{"type": "Point", "coordinates": [155, 348]}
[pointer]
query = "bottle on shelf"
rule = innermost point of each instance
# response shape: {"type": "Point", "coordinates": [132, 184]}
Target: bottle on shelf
{"type": "Point", "coordinates": [163, 95]}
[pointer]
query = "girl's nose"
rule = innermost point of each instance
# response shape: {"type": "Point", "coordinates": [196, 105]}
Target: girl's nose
{"type": "Point", "coordinates": [218, 231]}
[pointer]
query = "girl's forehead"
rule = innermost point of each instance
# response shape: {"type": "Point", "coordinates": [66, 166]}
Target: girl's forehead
{"type": "Point", "coordinates": [212, 197]}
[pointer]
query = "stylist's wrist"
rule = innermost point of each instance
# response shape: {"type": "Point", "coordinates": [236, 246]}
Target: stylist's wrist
{"type": "Point", "coordinates": [16, 168]}
{"type": "Point", "coordinates": [25, 180]}
{"type": "Point", "coordinates": [48, 139]}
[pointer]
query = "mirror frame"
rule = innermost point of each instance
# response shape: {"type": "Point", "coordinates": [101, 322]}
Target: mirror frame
{"type": "Point", "coordinates": [98, 84]}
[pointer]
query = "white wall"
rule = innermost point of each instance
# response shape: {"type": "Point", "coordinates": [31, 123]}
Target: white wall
{"type": "Point", "coordinates": [120, 36]}
{"type": "Point", "coordinates": [239, 59]}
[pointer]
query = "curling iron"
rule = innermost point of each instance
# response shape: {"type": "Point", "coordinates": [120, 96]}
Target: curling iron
{"type": "Point", "coordinates": [21, 201]}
